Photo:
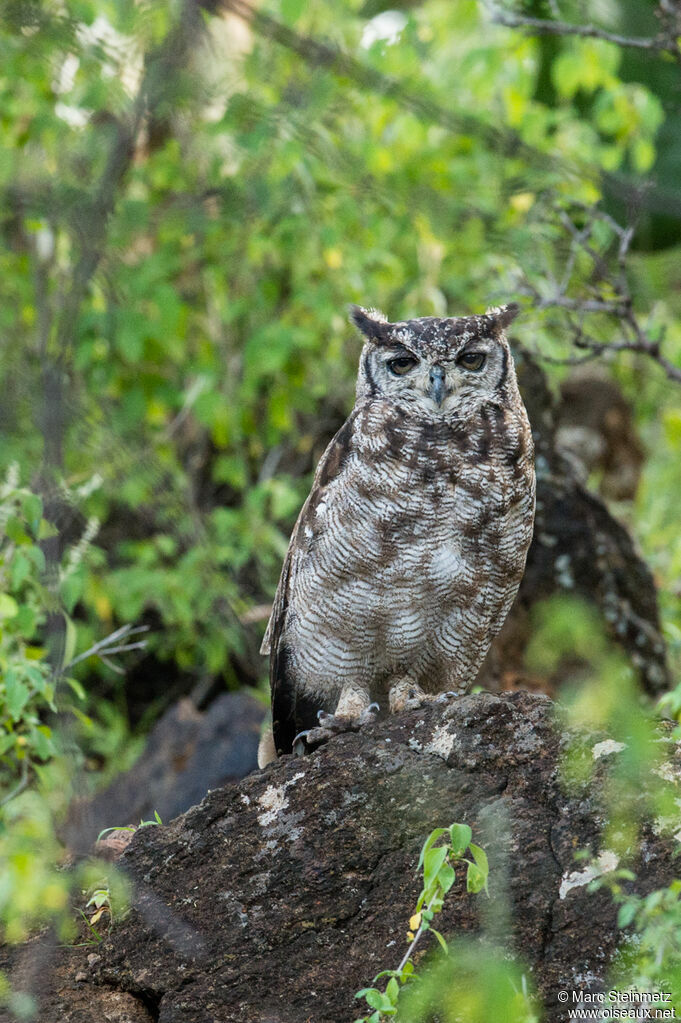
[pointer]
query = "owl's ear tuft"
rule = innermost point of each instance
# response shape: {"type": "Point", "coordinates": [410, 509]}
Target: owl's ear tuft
{"type": "Point", "coordinates": [372, 323]}
{"type": "Point", "coordinates": [504, 315]}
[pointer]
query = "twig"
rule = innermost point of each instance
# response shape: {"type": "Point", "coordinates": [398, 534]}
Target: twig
{"type": "Point", "coordinates": [410, 951]}
{"type": "Point", "coordinates": [636, 337]}
{"type": "Point", "coordinates": [104, 649]}
{"type": "Point", "coordinates": [543, 26]}
{"type": "Point", "coordinates": [580, 305]}
{"type": "Point", "coordinates": [569, 360]}
{"type": "Point", "coordinates": [23, 782]}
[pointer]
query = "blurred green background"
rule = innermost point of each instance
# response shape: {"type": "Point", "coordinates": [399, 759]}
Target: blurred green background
{"type": "Point", "coordinates": [190, 196]}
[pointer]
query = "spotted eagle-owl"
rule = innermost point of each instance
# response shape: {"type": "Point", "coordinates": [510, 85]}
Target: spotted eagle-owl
{"type": "Point", "coordinates": [409, 550]}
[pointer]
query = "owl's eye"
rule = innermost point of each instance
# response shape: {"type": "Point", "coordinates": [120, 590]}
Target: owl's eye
{"type": "Point", "coordinates": [472, 361]}
{"type": "Point", "coordinates": [402, 365]}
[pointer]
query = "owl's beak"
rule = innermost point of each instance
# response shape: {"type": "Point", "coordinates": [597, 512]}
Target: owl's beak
{"type": "Point", "coordinates": [437, 389]}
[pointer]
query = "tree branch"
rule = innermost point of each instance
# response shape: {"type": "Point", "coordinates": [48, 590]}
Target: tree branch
{"type": "Point", "coordinates": [613, 296]}
{"type": "Point", "coordinates": [325, 55]}
{"type": "Point", "coordinates": [543, 26]}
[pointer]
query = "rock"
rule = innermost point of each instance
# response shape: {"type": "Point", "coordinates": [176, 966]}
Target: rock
{"type": "Point", "coordinates": [187, 753]}
{"type": "Point", "coordinates": [281, 895]}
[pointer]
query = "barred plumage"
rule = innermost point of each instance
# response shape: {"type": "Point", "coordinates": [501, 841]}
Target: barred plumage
{"type": "Point", "coordinates": [409, 550]}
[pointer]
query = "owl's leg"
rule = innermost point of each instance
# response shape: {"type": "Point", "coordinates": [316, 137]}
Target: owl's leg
{"type": "Point", "coordinates": [405, 694]}
{"type": "Point", "coordinates": [353, 710]}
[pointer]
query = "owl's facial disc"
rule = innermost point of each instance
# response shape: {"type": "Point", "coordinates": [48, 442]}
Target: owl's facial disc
{"type": "Point", "coordinates": [434, 383]}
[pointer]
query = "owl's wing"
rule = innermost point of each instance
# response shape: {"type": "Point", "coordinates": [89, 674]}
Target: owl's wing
{"type": "Point", "coordinates": [292, 711]}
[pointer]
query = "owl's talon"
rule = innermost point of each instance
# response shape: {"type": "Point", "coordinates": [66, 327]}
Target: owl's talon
{"type": "Point", "coordinates": [368, 715]}
{"type": "Point", "coordinates": [298, 745]}
{"type": "Point", "coordinates": [330, 725]}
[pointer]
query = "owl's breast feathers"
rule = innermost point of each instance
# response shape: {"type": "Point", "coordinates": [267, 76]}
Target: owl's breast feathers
{"type": "Point", "coordinates": [398, 503]}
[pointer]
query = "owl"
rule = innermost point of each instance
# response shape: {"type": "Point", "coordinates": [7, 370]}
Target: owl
{"type": "Point", "coordinates": [410, 547]}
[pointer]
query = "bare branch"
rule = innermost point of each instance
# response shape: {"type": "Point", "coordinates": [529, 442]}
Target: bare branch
{"type": "Point", "coordinates": [543, 26]}
{"type": "Point", "coordinates": [610, 292]}
{"type": "Point", "coordinates": [580, 305]}
{"type": "Point", "coordinates": [107, 646]}
{"type": "Point", "coordinates": [23, 782]}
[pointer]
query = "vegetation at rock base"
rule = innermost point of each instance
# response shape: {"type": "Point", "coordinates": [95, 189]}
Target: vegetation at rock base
{"type": "Point", "coordinates": [191, 193]}
{"type": "Point", "coordinates": [443, 850]}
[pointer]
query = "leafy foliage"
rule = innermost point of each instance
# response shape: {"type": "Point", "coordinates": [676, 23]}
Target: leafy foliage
{"type": "Point", "coordinates": [443, 848]}
{"type": "Point", "coordinates": [26, 679]}
{"type": "Point", "coordinates": [473, 980]}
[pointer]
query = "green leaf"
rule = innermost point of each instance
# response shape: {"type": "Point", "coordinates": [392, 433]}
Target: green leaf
{"type": "Point", "coordinates": [17, 694]}
{"type": "Point", "coordinates": [432, 861]}
{"type": "Point", "coordinates": [626, 914]}
{"type": "Point", "coordinates": [41, 741]}
{"type": "Point", "coordinates": [86, 721]}
{"type": "Point", "coordinates": [392, 990]}
{"type": "Point", "coordinates": [291, 10]}
{"type": "Point", "coordinates": [20, 569]}
{"type": "Point", "coordinates": [626, 875]}
{"type": "Point", "coordinates": [475, 879]}
{"type": "Point", "coordinates": [443, 943]}
{"type": "Point", "coordinates": [431, 840]}
{"type": "Point", "coordinates": [46, 530]}
{"type": "Point", "coordinates": [436, 903]}
{"type": "Point", "coordinates": [384, 973]}
{"type": "Point", "coordinates": [37, 677]}
{"type": "Point", "coordinates": [446, 877]}
{"type": "Point", "coordinates": [32, 508]}
{"type": "Point", "coordinates": [76, 687]}
{"type": "Point", "coordinates": [8, 606]}
{"type": "Point", "coordinates": [71, 590]}
{"type": "Point", "coordinates": [7, 740]}
{"type": "Point", "coordinates": [26, 621]}
{"type": "Point", "coordinates": [70, 638]}
{"type": "Point", "coordinates": [14, 528]}
{"type": "Point", "coordinates": [460, 836]}
{"type": "Point", "coordinates": [480, 857]}
{"type": "Point", "coordinates": [35, 554]}
{"type": "Point", "coordinates": [374, 997]}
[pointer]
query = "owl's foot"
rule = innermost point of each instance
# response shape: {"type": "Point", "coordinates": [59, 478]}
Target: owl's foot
{"type": "Point", "coordinates": [408, 695]}
{"type": "Point", "coordinates": [330, 725]}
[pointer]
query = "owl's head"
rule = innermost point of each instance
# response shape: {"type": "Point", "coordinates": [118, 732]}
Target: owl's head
{"type": "Point", "coordinates": [435, 366]}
